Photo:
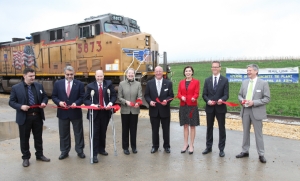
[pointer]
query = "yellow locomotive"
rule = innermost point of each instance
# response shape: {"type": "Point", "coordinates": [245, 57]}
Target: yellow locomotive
{"type": "Point", "coordinates": [109, 42]}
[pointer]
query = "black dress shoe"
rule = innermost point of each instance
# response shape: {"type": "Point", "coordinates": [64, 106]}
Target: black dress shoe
{"type": "Point", "coordinates": [95, 159]}
{"type": "Point", "coordinates": [134, 150]}
{"type": "Point", "coordinates": [167, 150]}
{"type": "Point", "coordinates": [262, 159]}
{"type": "Point", "coordinates": [242, 154]}
{"type": "Point", "coordinates": [43, 158]}
{"type": "Point", "coordinates": [103, 153]}
{"type": "Point", "coordinates": [26, 163]}
{"type": "Point", "coordinates": [153, 150]}
{"type": "Point", "coordinates": [63, 156]}
{"type": "Point", "coordinates": [183, 151]}
{"type": "Point", "coordinates": [222, 153]}
{"type": "Point", "coordinates": [81, 155]}
{"type": "Point", "coordinates": [126, 152]}
{"type": "Point", "coordinates": [207, 150]}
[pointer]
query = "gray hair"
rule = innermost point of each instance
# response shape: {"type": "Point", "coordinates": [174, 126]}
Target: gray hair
{"type": "Point", "coordinates": [130, 69]}
{"type": "Point", "coordinates": [68, 67]}
{"type": "Point", "coordinates": [254, 66]}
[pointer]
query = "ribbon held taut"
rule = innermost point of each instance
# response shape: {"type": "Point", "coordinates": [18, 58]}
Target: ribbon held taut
{"type": "Point", "coordinates": [115, 107]}
{"type": "Point", "coordinates": [157, 100]}
{"type": "Point", "coordinates": [231, 104]}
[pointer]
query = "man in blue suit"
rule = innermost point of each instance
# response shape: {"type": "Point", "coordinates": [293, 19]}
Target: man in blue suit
{"type": "Point", "coordinates": [67, 93]}
{"type": "Point", "coordinates": [24, 97]}
{"type": "Point", "coordinates": [101, 117]}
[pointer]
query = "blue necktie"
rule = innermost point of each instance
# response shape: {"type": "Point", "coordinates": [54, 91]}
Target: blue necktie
{"type": "Point", "coordinates": [30, 96]}
{"type": "Point", "coordinates": [215, 84]}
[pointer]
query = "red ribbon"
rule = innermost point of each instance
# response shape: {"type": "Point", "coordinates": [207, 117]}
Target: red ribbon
{"type": "Point", "coordinates": [157, 100]}
{"type": "Point", "coordinates": [114, 107]}
{"type": "Point", "coordinates": [191, 112]}
{"type": "Point", "coordinates": [139, 101]}
{"type": "Point", "coordinates": [231, 104]}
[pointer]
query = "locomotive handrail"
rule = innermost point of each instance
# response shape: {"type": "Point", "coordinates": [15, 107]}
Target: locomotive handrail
{"type": "Point", "coordinates": [141, 63]}
{"type": "Point", "coordinates": [129, 65]}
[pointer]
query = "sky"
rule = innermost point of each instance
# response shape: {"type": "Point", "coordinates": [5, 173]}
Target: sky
{"type": "Point", "coordinates": [189, 30]}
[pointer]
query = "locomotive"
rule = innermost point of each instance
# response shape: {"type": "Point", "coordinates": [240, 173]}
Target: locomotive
{"type": "Point", "coordinates": [108, 42]}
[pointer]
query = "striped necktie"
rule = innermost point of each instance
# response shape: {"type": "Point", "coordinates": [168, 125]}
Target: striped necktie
{"type": "Point", "coordinates": [215, 84]}
{"type": "Point", "coordinates": [30, 96]}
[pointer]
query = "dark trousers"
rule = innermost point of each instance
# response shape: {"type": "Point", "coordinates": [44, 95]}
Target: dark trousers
{"type": "Point", "coordinates": [65, 137]}
{"type": "Point", "coordinates": [34, 123]}
{"type": "Point", "coordinates": [165, 123]}
{"type": "Point", "coordinates": [210, 118]}
{"type": "Point", "coordinates": [129, 124]}
{"type": "Point", "coordinates": [100, 127]}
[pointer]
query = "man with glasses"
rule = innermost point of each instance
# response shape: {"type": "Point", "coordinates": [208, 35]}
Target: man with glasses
{"type": "Point", "coordinates": [66, 94]}
{"type": "Point", "coordinates": [215, 91]}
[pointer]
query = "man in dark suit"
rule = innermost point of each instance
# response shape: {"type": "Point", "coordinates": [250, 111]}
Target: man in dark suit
{"type": "Point", "coordinates": [23, 95]}
{"type": "Point", "coordinates": [159, 112]}
{"type": "Point", "coordinates": [67, 93]}
{"type": "Point", "coordinates": [255, 93]}
{"type": "Point", "coordinates": [102, 99]}
{"type": "Point", "coordinates": [215, 91]}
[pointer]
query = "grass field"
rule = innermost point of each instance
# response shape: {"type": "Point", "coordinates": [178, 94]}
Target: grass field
{"type": "Point", "coordinates": [284, 97]}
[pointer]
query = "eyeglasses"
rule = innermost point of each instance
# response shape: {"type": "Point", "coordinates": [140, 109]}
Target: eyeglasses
{"type": "Point", "coordinates": [69, 74]}
{"type": "Point", "coordinates": [215, 67]}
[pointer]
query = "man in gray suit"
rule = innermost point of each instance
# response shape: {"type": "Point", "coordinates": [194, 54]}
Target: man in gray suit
{"type": "Point", "coordinates": [254, 95]}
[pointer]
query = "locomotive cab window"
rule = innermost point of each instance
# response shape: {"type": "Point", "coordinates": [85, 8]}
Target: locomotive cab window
{"type": "Point", "coordinates": [56, 34]}
{"type": "Point", "coordinates": [116, 28]}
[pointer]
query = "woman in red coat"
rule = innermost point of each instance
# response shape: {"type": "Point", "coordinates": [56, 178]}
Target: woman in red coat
{"type": "Point", "coordinates": [188, 93]}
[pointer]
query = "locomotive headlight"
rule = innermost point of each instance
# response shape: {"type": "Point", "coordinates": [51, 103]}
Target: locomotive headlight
{"type": "Point", "coordinates": [147, 40]}
{"type": "Point", "coordinates": [168, 68]}
{"type": "Point", "coordinates": [150, 67]}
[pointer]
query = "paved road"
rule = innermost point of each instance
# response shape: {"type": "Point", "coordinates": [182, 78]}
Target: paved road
{"type": "Point", "coordinates": [283, 158]}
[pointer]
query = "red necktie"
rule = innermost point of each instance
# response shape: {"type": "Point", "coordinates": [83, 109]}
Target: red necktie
{"type": "Point", "coordinates": [68, 89]}
{"type": "Point", "coordinates": [100, 95]}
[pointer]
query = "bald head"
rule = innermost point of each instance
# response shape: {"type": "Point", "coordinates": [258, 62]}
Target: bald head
{"type": "Point", "coordinates": [158, 72]}
{"type": "Point", "coordinates": [99, 75]}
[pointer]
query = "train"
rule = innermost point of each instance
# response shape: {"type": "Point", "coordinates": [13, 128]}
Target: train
{"type": "Point", "coordinates": [109, 42]}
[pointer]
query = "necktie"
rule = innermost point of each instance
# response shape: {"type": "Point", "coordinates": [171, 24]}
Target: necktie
{"type": "Point", "coordinates": [215, 84]}
{"type": "Point", "coordinates": [100, 95]}
{"type": "Point", "coordinates": [30, 96]}
{"type": "Point", "coordinates": [250, 91]}
{"type": "Point", "coordinates": [68, 89]}
{"type": "Point", "coordinates": [158, 87]}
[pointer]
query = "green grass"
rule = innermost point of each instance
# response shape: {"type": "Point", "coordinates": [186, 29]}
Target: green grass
{"type": "Point", "coordinates": [284, 97]}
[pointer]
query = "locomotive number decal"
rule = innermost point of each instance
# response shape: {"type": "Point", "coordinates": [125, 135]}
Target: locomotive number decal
{"type": "Point", "coordinates": [85, 47]}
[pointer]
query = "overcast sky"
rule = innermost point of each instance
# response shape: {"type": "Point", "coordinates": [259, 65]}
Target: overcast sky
{"type": "Point", "coordinates": [185, 29]}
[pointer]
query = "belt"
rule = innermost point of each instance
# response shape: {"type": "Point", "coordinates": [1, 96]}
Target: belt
{"type": "Point", "coordinates": [33, 113]}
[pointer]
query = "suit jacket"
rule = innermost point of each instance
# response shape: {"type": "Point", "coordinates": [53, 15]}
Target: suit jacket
{"type": "Point", "coordinates": [222, 92]}
{"type": "Point", "coordinates": [192, 92]}
{"type": "Point", "coordinates": [165, 93]}
{"type": "Point", "coordinates": [261, 97]}
{"type": "Point", "coordinates": [18, 98]}
{"type": "Point", "coordinates": [130, 92]}
{"type": "Point", "coordinates": [87, 100]}
{"type": "Point", "coordinates": [76, 96]}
